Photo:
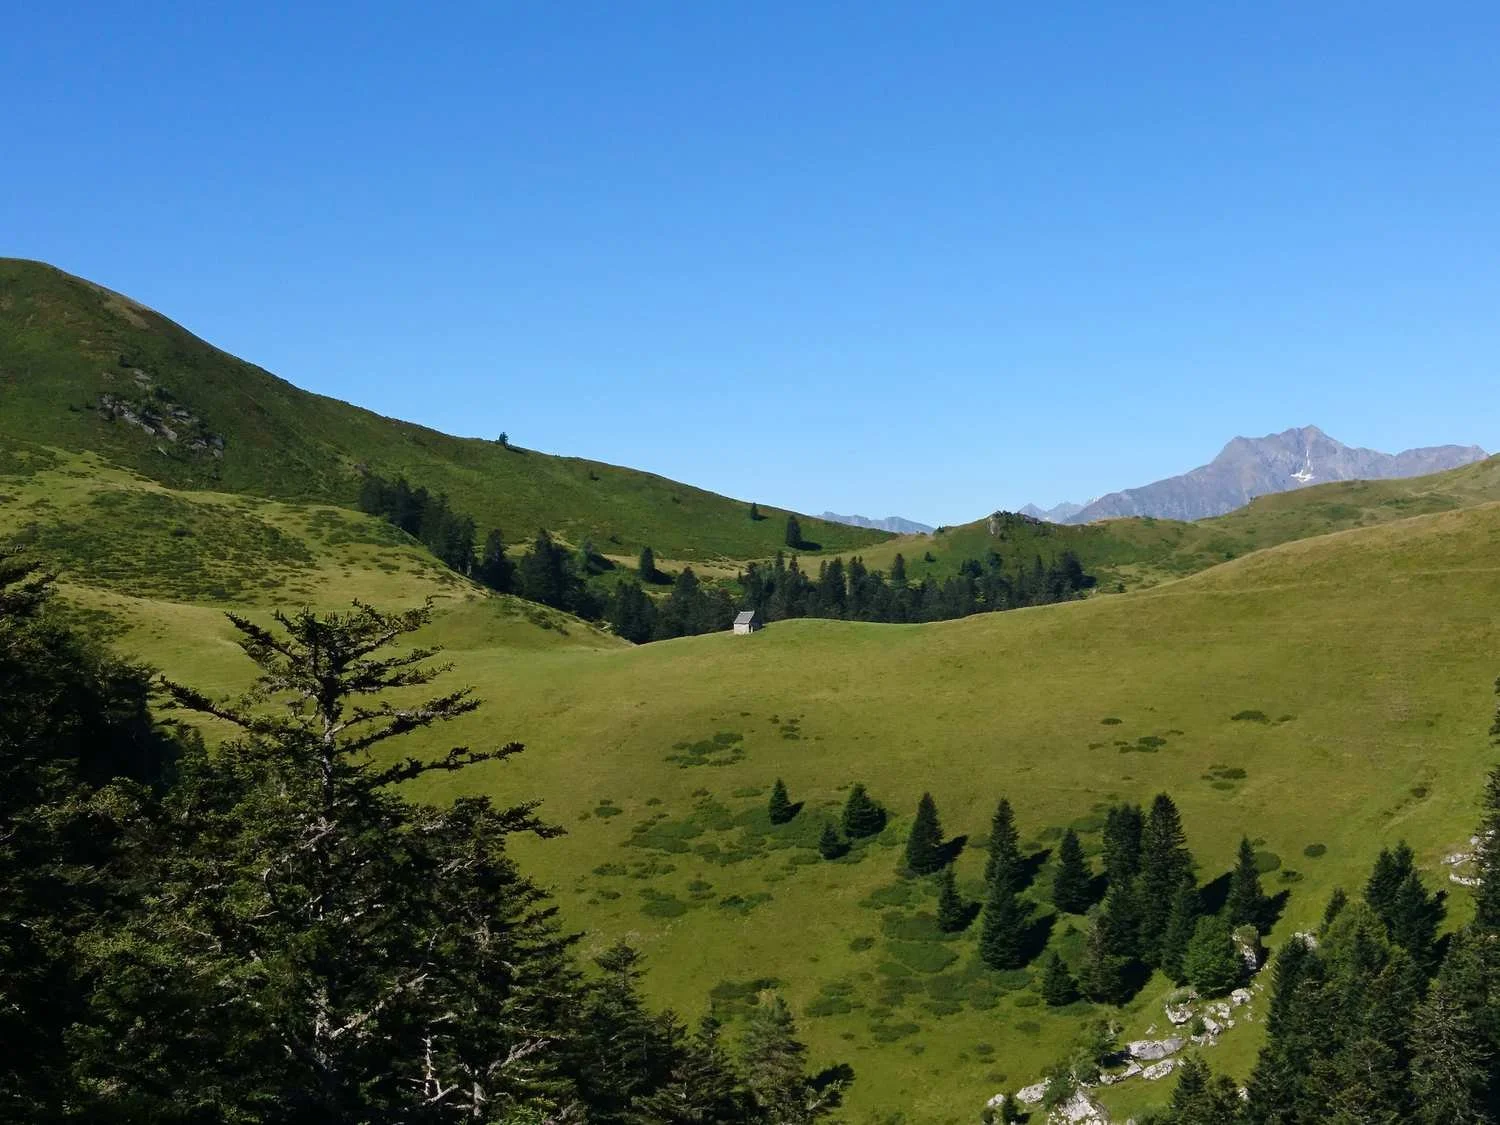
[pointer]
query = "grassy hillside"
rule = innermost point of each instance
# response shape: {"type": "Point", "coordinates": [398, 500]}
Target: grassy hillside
{"type": "Point", "coordinates": [1324, 697]}
{"type": "Point", "coordinates": [85, 369]}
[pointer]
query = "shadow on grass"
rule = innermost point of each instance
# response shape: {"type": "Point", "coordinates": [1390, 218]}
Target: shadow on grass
{"type": "Point", "coordinates": [1032, 864]}
{"type": "Point", "coordinates": [951, 850]}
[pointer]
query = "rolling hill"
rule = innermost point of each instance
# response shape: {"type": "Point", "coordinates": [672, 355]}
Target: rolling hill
{"type": "Point", "coordinates": [86, 369]}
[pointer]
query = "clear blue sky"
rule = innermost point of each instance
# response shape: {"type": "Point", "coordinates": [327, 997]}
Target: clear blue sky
{"type": "Point", "coordinates": [926, 259]}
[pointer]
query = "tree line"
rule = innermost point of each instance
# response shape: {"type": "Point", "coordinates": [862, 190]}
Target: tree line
{"type": "Point", "coordinates": [555, 576]}
{"type": "Point", "coordinates": [274, 933]}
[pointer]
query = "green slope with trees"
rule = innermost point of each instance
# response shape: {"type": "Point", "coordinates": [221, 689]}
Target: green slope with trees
{"type": "Point", "coordinates": [86, 369]}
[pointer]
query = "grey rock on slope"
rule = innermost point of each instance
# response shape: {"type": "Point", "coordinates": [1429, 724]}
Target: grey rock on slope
{"type": "Point", "coordinates": [1251, 467]}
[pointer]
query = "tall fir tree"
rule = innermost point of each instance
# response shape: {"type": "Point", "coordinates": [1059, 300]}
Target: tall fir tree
{"type": "Point", "coordinates": [952, 911]}
{"type": "Point", "coordinates": [773, 1060]}
{"type": "Point", "coordinates": [1003, 933]}
{"type": "Point", "coordinates": [1246, 904]}
{"type": "Point", "coordinates": [1182, 923]}
{"type": "Point", "coordinates": [1072, 882]}
{"type": "Point", "coordinates": [1295, 1031]}
{"type": "Point", "coordinates": [1455, 1035]}
{"type": "Point", "coordinates": [780, 806]}
{"type": "Point", "coordinates": [924, 846]}
{"type": "Point", "coordinates": [1058, 985]}
{"type": "Point", "coordinates": [1004, 864]}
{"type": "Point", "coordinates": [1201, 1098]}
{"type": "Point", "coordinates": [1102, 974]}
{"type": "Point", "coordinates": [1413, 919]}
{"type": "Point", "coordinates": [793, 532]}
{"type": "Point", "coordinates": [495, 569]}
{"type": "Point", "coordinates": [862, 815]}
{"type": "Point", "coordinates": [1487, 854]}
{"type": "Point", "coordinates": [646, 566]}
{"type": "Point", "coordinates": [1123, 826]}
{"type": "Point", "coordinates": [1390, 871]}
{"type": "Point", "coordinates": [1165, 863]}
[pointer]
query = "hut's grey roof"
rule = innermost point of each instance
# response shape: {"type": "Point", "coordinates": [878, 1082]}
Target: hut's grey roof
{"type": "Point", "coordinates": [745, 617]}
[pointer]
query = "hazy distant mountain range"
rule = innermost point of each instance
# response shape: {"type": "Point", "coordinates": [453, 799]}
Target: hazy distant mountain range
{"type": "Point", "coordinates": [890, 523]}
{"type": "Point", "coordinates": [1251, 467]}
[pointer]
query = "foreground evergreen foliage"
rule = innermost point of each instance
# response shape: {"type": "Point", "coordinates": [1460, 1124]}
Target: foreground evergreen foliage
{"type": "Point", "coordinates": [273, 933]}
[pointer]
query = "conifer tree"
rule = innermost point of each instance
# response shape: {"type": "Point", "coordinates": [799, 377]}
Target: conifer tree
{"type": "Point", "coordinates": [1413, 921]}
{"type": "Point", "coordinates": [754, 510]}
{"type": "Point", "coordinates": [829, 844]}
{"type": "Point", "coordinates": [1122, 844]}
{"type": "Point", "coordinates": [1058, 985]}
{"type": "Point", "coordinates": [1487, 853]}
{"type": "Point", "coordinates": [780, 806]}
{"type": "Point", "coordinates": [1101, 976]}
{"type": "Point", "coordinates": [1454, 1038]}
{"type": "Point", "coordinates": [1201, 1098]}
{"type": "Point", "coordinates": [1247, 903]}
{"type": "Point", "coordinates": [1211, 963]}
{"type": "Point", "coordinates": [773, 1060]}
{"type": "Point", "coordinates": [1120, 923]}
{"type": "Point", "coordinates": [1390, 871]}
{"type": "Point", "coordinates": [1002, 936]}
{"type": "Point", "coordinates": [1182, 923]}
{"type": "Point", "coordinates": [495, 569]}
{"type": "Point", "coordinates": [924, 847]}
{"type": "Point", "coordinates": [1278, 1085]}
{"type": "Point", "coordinates": [343, 891]}
{"type": "Point", "coordinates": [646, 567]}
{"type": "Point", "coordinates": [952, 910]}
{"type": "Point", "coordinates": [793, 532]}
{"type": "Point", "coordinates": [1165, 863]}
{"type": "Point", "coordinates": [862, 815]}
{"type": "Point", "coordinates": [1004, 864]}
{"type": "Point", "coordinates": [1071, 882]}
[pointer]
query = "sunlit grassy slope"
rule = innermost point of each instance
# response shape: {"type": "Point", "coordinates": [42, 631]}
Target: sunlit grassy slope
{"type": "Point", "coordinates": [1361, 663]}
{"type": "Point", "coordinates": [66, 344]}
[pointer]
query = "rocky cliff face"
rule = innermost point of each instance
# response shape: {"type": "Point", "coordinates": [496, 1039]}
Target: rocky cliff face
{"type": "Point", "coordinates": [1251, 467]}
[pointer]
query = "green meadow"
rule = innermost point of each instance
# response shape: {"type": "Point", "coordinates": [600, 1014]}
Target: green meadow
{"type": "Point", "coordinates": [1323, 697]}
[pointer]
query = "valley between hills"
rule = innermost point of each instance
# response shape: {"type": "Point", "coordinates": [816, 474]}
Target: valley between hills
{"type": "Point", "coordinates": [1313, 672]}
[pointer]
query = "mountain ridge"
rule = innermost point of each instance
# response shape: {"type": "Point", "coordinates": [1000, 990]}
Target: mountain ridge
{"type": "Point", "coordinates": [898, 525]}
{"type": "Point", "coordinates": [1249, 467]}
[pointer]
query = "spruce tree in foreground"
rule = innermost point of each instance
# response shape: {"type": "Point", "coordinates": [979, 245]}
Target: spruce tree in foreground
{"type": "Point", "coordinates": [1165, 863]}
{"type": "Point", "coordinates": [924, 847]}
{"type": "Point", "coordinates": [1102, 975]}
{"type": "Point", "coordinates": [370, 957]}
{"type": "Point", "coordinates": [1072, 881]}
{"type": "Point", "coordinates": [1004, 864]}
{"type": "Point", "coordinates": [1002, 937]}
{"type": "Point", "coordinates": [1487, 854]}
{"type": "Point", "coordinates": [780, 806]}
{"type": "Point", "coordinates": [1247, 902]}
{"type": "Point", "coordinates": [1182, 923]}
{"type": "Point", "coordinates": [1123, 826]}
{"type": "Point", "coordinates": [773, 1060]}
{"type": "Point", "coordinates": [952, 910]}
{"type": "Point", "coordinates": [1058, 986]}
{"type": "Point", "coordinates": [1200, 1098]}
{"type": "Point", "coordinates": [862, 815]}
{"type": "Point", "coordinates": [793, 532]}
